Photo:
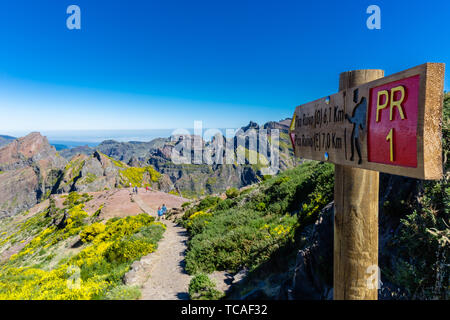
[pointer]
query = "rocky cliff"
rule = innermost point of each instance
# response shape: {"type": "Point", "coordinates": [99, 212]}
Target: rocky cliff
{"type": "Point", "coordinates": [29, 168]}
{"type": "Point", "coordinates": [194, 179]}
{"type": "Point", "coordinates": [99, 172]}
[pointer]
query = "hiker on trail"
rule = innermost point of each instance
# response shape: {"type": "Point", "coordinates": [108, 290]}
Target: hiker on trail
{"type": "Point", "coordinates": [164, 209]}
{"type": "Point", "coordinates": [160, 213]}
{"type": "Point", "coordinates": [146, 188]}
{"type": "Point", "coordinates": [136, 190]}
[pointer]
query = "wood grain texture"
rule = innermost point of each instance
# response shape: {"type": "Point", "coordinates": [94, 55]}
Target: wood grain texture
{"type": "Point", "coordinates": [322, 132]}
{"type": "Point", "coordinates": [355, 218]}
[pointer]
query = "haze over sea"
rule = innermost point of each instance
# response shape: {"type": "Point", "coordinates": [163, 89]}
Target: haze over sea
{"type": "Point", "coordinates": [92, 138]}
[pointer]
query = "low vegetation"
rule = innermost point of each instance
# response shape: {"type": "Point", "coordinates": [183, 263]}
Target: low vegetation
{"type": "Point", "coordinates": [96, 254]}
{"type": "Point", "coordinates": [263, 226]}
{"type": "Point", "coordinates": [423, 237]}
{"type": "Point", "coordinates": [203, 288]}
{"type": "Point", "coordinates": [244, 230]}
{"type": "Point", "coordinates": [136, 176]}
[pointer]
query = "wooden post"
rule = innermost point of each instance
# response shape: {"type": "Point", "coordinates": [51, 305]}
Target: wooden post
{"type": "Point", "coordinates": [355, 217]}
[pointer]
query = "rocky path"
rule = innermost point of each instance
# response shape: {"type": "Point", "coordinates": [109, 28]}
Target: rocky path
{"type": "Point", "coordinates": [164, 268]}
{"type": "Point", "coordinates": [144, 207]}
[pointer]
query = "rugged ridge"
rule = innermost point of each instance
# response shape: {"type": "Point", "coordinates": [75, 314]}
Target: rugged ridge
{"type": "Point", "coordinates": [31, 170]}
{"type": "Point", "coordinates": [192, 179]}
{"type": "Point", "coordinates": [30, 167]}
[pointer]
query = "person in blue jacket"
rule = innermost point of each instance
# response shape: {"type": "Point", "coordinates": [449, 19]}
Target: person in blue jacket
{"type": "Point", "coordinates": [160, 213]}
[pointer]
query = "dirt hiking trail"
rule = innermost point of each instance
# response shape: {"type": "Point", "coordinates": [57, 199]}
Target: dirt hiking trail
{"type": "Point", "coordinates": [167, 279]}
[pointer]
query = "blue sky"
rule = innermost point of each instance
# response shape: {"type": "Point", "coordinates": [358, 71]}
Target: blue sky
{"type": "Point", "coordinates": [163, 64]}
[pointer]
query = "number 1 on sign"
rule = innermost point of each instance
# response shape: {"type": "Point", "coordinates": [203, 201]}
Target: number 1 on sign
{"type": "Point", "coordinates": [390, 138]}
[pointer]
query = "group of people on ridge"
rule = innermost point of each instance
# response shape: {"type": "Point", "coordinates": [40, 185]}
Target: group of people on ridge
{"type": "Point", "coordinates": [136, 189]}
{"type": "Point", "coordinates": [161, 210]}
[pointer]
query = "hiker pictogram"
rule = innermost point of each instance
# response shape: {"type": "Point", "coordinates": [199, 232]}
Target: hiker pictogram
{"type": "Point", "coordinates": [358, 119]}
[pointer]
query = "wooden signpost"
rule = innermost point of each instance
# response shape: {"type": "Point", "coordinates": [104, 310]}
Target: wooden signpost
{"type": "Point", "coordinates": [373, 124]}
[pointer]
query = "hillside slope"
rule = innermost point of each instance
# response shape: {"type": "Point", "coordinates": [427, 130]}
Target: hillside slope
{"type": "Point", "coordinates": [279, 234]}
{"type": "Point", "coordinates": [31, 171]}
{"type": "Point", "coordinates": [92, 239]}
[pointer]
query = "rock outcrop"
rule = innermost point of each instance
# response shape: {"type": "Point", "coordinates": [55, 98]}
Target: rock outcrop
{"type": "Point", "coordinates": [30, 168]}
{"type": "Point", "coordinates": [203, 178]}
{"type": "Point", "coordinates": [194, 179]}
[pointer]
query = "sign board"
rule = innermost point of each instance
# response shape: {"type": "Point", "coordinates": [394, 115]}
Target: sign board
{"type": "Point", "coordinates": [390, 125]}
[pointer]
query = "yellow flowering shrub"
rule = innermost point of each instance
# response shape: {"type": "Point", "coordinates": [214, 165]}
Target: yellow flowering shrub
{"type": "Point", "coordinates": [116, 229]}
{"type": "Point", "coordinates": [199, 214]}
{"type": "Point", "coordinates": [198, 220]}
{"type": "Point", "coordinates": [110, 250]}
{"type": "Point", "coordinates": [280, 231]}
{"type": "Point", "coordinates": [76, 216]}
{"type": "Point", "coordinates": [137, 176]}
{"type": "Point", "coordinates": [90, 232]}
{"type": "Point", "coordinates": [91, 255]}
{"type": "Point", "coordinates": [37, 284]}
{"type": "Point", "coordinates": [37, 242]}
{"type": "Point", "coordinates": [121, 251]}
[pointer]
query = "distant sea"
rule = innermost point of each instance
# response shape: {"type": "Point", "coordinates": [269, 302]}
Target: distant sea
{"type": "Point", "coordinates": [92, 138]}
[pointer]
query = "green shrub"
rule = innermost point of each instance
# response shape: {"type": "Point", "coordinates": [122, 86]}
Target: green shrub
{"type": "Point", "coordinates": [185, 204]}
{"type": "Point", "coordinates": [209, 202]}
{"type": "Point", "coordinates": [235, 238]}
{"type": "Point", "coordinates": [124, 293]}
{"type": "Point", "coordinates": [202, 288]}
{"type": "Point", "coordinates": [225, 204]}
{"type": "Point", "coordinates": [246, 191]}
{"type": "Point", "coordinates": [246, 230]}
{"type": "Point", "coordinates": [261, 206]}
{"type": "Point", "coordinates": [421, 266]}
{"type": "Point", "coordinates": [74, 199]}
{"type": "Point", "coordinates": [198, 221]}
{"type": "Point", "coordinates": [232, 193]}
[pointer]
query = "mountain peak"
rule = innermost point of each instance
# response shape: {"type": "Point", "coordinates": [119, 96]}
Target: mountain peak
{"type": "Point", "coordinates": [251, 125]}
{"type": "Point", "coordinates": [33, 145]}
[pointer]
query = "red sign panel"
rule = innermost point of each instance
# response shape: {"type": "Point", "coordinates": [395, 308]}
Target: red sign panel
{"type": "Point", "coordinates": [392, 123]}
